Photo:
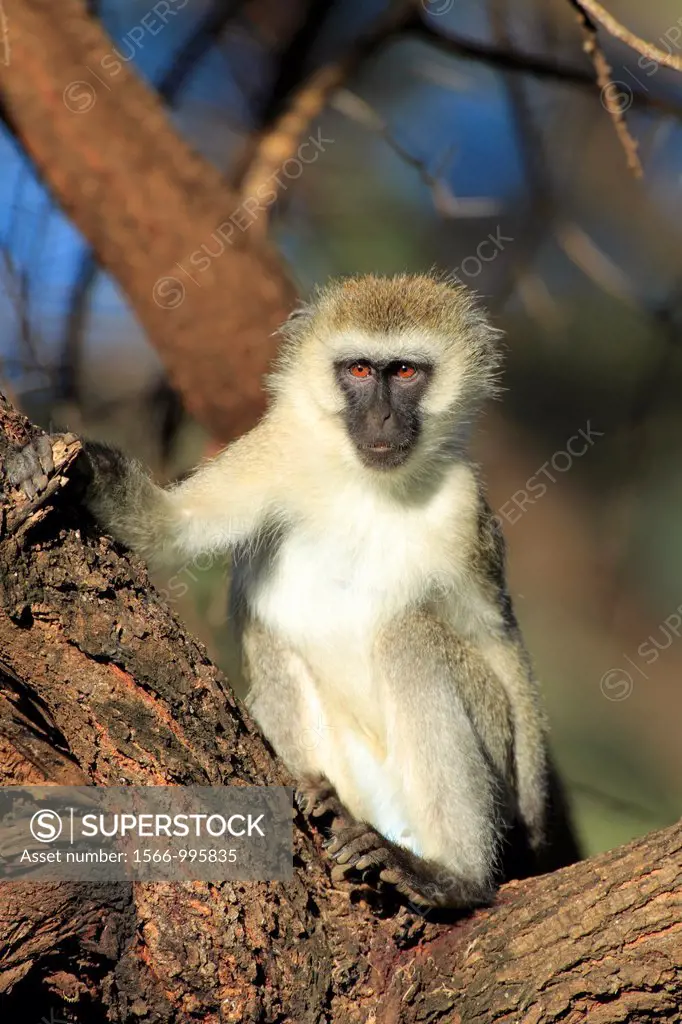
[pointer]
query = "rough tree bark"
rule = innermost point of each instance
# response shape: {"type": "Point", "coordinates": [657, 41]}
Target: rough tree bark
{"type": "Point", "coordinates": [99, 683]}
{"type": "Point", "coordinates": [146, 202]}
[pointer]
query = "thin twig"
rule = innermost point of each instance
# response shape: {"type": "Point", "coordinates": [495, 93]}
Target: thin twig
{"type": "Point", "coordinates": [446, 203]}
{"type": "Point", "coordinates": [614, 102]}
{"type": "Point", "coordinates": [598, 13]}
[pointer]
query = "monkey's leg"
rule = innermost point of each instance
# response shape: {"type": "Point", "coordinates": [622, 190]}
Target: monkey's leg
{"type": "Point", "coordinates": [451, 795]}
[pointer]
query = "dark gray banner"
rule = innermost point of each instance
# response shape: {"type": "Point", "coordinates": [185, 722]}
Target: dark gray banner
{"type": "Point", "coordinates": [146, 833]}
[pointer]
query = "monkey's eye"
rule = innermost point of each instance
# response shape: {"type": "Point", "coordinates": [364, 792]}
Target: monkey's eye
{"type": "Point", "coordinates": [405, 371]}
{"type": "Point", "coordinates": [360, 370]}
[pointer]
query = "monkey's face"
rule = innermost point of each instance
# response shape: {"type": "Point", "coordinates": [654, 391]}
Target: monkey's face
{"type": "Point", "coordinates": [394, 369]}
{"type": "Point", "coordinates": [382, 407]}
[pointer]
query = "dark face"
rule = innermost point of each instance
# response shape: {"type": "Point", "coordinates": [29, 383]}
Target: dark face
{"type": "Point", "coordinates": [382, 408]}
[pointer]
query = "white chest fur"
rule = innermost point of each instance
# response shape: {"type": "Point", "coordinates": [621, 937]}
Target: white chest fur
{"type": "Point", "coordinates": [347, 567]}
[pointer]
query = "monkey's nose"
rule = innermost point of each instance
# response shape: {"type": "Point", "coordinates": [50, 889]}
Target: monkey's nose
{"type": "Point", "coordinates": [383, 418]}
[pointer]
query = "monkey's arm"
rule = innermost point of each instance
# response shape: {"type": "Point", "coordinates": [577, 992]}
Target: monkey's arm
{"type": "Point", "coordinates": [224, 502]}
{"type": "Point", "coordinates": [541, 803]}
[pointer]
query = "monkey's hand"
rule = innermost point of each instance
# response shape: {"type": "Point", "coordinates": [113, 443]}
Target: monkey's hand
{"type": "Point", "coordinates": [28, 468]}
{"type": "Point", "coordinates": [360, 848]}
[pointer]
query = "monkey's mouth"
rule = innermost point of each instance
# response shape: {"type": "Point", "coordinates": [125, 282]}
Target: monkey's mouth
{"type": "Point", "coordinates": [384, 454]}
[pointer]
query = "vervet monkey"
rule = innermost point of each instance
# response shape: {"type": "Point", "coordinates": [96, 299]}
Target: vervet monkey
{"type": "Point", "coordinates": [384, 660]}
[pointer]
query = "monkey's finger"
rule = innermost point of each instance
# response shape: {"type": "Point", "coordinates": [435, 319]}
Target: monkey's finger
{"type": "Point", "coordinates": [342, 854]}
{"type": "Point", "coordinates": [390, 875]}
{"type": "Point", "coordinates": [344, 850]}
{"type": "Point", "coordinates": [374, 859]}
{"type": "Point", "coordinates": [23, 466]}
{"type": "Point", "coordinates": [29, 488]}
{"type": "Point", "coordinates": [397, 879]}
{"type": "Point", "coordinates": [331, 805]}
{"type": "Point", "coordinates": [28, 468]}
{"type": "Point", "coordinates": [339, 872]}
{"type": "Point", "coordinates": [349, 833]}
{"type": "Point", "coordinates": [312, 792]}
{"type": "Point", "coordinates": [43, 447]}
{"type": "Point", "coordinates": [336, 847]}
{"type": "Point", "coordinates": [304, 801]}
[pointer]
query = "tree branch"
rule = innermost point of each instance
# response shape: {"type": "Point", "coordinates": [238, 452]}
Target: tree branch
{"type": "Point", "coordinates": [156, 214]}
{"type": "Point", "coordinates": [618, 31]}
{"type": "Point", "coordinates": [522, 63]}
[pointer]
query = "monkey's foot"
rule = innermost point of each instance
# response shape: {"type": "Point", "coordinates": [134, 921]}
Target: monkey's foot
{"type": "Point", "coordinates": [316, 797]}
{"type": "Point", "coordinates": [360, 848]}
{"type": "Point", "coordinates": [29, 467]}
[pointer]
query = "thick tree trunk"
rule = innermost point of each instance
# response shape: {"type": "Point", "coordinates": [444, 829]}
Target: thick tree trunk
{"type": "Point", "coordinates": [100, 683]}
{"type": "Point", "coordinates": [146, 203]}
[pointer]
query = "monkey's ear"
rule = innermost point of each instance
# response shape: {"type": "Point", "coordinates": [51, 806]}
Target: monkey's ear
{"type": "Point", "coordinates": [303, 309]}
{"type": "Point", "coordinates": [295, 323]}
{"type": "Point", "coordinates": [302, 312]}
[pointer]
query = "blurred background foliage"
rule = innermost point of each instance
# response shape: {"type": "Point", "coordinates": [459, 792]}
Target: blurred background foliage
{"type": "Point", "coordinates": [486, 124]}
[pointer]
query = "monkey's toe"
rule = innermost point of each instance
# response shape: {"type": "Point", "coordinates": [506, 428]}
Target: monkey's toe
{"type": "Point", "coordinates": [356, 846]}
{"type": "Point", "coordinates": [316, 797]}
{"type": "Point", "coordinates": [28, 468]}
